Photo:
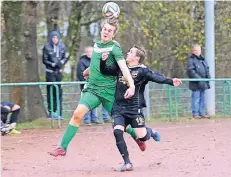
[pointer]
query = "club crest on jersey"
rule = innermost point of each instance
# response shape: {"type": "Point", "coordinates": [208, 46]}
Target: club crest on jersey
{"type": "Point", "coordinates": [134, 74]}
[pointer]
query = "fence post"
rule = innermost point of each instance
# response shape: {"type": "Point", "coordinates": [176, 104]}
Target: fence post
{"type": "Point", "coordinates": [51, 105]}
{"type": "Point", "coordinates": [58, 105]}
{"type": "Point", "coordinates": [176, 102]}
{"type": "Point", "coordinates": [170, 102]}
{"type": "Point", "coordinates": [229, 86]}
{"type": "Point", "coordinates": [224, 97]}
{"type": "Point", "coordinates": [147, 98]}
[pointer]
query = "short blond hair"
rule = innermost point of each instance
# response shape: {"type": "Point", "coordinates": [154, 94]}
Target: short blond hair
{"type": "Point", "coordinates": [113, 22]}
{"type": "Point", "coordinates": [141, 52]}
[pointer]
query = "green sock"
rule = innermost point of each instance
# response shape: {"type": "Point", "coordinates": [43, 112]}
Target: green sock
{"type": "Point", "coordinates": [69, 134]}
{"type": "Point", "coordinates": [131, 131]}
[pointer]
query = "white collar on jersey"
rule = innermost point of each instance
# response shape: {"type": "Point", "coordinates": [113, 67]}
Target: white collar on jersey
{"type": "Point", "coordinates": [138, 66]}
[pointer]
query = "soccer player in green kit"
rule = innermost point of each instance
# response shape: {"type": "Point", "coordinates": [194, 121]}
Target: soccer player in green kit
{"type": "Point", "coordinates": [100, 88]}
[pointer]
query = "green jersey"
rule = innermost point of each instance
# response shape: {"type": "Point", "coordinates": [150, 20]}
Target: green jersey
{"type": "Point", "coordinates": [99, 84]}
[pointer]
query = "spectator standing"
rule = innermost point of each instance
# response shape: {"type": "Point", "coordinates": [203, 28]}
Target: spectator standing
{"type": "Point", "coordinates": [197, 68]}
{"type": "Point", "coordinates": [54, 58]}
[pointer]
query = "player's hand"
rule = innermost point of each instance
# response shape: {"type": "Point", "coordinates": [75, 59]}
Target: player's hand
{"type": "Point", "coordinates": [176, 82]}
{"type": "Point", "coordinates": [86, 72]}
{"type": "Point", "coordinates": [105, 56]}
{"type": "Point", "coordinates": [129, 92]}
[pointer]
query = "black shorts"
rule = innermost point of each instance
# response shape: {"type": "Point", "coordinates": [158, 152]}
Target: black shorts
{"type": "Point", "coordinates": [124, 118]}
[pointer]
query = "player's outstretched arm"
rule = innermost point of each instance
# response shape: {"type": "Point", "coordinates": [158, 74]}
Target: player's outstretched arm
{"type": "Point", "coordinates": [158, 78]}
{"type": "Point", "coordinates": [111, 70]}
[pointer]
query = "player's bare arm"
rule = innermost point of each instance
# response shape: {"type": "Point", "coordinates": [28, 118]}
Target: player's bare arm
{"type": "Point", "coordinates": [124, 69]}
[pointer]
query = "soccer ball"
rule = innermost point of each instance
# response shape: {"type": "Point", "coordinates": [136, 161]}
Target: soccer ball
{"type": "Point", "coordinates": [111, 10]}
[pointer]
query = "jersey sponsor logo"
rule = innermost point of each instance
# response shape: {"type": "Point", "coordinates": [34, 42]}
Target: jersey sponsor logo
{"type": "Point", "coordinates": [123, 80]}
{"type": "Point", "coordinates": [102, 50]}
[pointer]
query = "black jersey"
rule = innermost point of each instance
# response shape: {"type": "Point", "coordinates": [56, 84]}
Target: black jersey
{"type": "Point", "coordinates": [141, 76]}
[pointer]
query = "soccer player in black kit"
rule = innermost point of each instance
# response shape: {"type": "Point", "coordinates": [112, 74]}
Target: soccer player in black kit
{"type": "Point", "coordinates": [129, 111]}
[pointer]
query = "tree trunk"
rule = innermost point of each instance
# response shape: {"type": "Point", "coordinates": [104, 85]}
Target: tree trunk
{"type": "Point", "coordinates": [52, 9]}
{"type": "Point", "coordinates": [74, 33]}
{"type": "Point", "coordinates": [21, 55]}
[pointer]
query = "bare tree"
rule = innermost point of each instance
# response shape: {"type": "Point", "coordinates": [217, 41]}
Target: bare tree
{"type": "Point", "coordinates": [21, 55]}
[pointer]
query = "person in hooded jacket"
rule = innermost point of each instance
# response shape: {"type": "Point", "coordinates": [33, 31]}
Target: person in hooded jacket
{"type": "Point", "coordinates": [54, 58]}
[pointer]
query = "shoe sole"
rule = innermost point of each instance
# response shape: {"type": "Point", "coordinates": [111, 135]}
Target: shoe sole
{"type": "Point", "coordinates": [129, 169]}
{"type": "Point", "coordinates": [50, 153]}
{"type": "Point", "coordinates": [123, 170]}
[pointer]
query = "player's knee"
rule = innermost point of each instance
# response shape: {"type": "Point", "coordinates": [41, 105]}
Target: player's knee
{"type": "Point", "coordinates": [76, 116]}
{"type": "Point", "coordinates": [146, 137]}
{"type": "Point", "coordinates": [16, 107]}
{"type": "Point", "coordinates": [118, 135]}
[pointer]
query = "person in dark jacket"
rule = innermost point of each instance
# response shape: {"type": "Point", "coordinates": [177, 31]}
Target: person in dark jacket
{"type": "Point", "coordinates": [54, 58]}
{"type": "Point", "coordinates": [84, 63]}
{"type": "Point", "coordinates": [197, 68]}
{"type": "Point", "coordinates": [8, 125]}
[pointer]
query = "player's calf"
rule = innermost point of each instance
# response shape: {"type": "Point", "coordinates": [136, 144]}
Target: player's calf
{"type": "Point", "coordinates": [133, 132]}
{"type": "Point", "coordinates": [122, 147]}
{"type": "Point", "coordinates": [154, 134]}
{"type": "Point", "coordinates": [149, 133]}
{"type": "Point", "coordinates": [146, 137]}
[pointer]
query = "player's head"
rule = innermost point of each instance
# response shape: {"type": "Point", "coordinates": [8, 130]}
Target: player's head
{"type": "Point", "coordinates": [88, 51]}
{"type": "Point", "coordinates": [109, 29]}
{"type": "Point", "coordinates": [196, 49]}
{"type": "Point", "coordinates": [136, 55]}
{"type": "Point", "coordinates": [54, 37]}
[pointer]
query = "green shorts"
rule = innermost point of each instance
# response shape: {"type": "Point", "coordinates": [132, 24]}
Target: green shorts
{"type": "Point", "coordinates": [92, 101]}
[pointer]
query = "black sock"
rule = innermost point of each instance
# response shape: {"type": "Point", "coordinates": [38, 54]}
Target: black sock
{"type": "Point", "coordinates": [14, 116]}
{"type": "Point", "coordinates": [121, 145]}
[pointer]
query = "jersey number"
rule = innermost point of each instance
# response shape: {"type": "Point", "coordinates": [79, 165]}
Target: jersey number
{"type": "Point", "coordinates": [140, 120]}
